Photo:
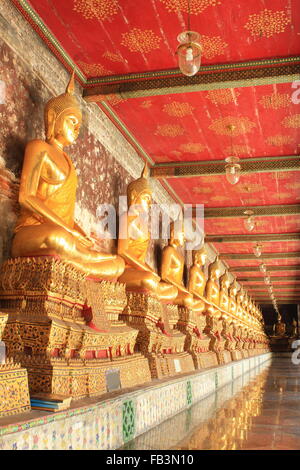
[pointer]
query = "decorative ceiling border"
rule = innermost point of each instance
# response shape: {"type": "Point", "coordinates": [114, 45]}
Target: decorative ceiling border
{"type": "Point", "coordinates": [259, 237]}
{"type": "Point", "coordinates": [275, 268]}
{"type": "Point", "coordinates": [217, 167]}
{"type": "Point", "coordinates": [258, 211]}
{"type": "Point", "coordinates": [250, 256]}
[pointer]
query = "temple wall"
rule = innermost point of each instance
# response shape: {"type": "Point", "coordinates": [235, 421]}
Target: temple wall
{"type": "Point", "coordinates": [104, 160]}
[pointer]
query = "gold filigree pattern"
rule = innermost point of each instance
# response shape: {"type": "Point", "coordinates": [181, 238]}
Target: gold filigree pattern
{"type": "Point", "coordinates": [279, 140]}
{"type": "Point", "coordinates": [249, 187]}
{"type": "Point", "coordinates": [242, 125]}
{"type": "Point", "coordinates": [96, 9]}
{"type": "Point", "coordinates": [146, 104]}
{"type": "Point", "coordinates": [192, 147]}
{"type": "Point", "coordinates": [267, 23]}
{"type": "Point", "coordinates": [212, 46]}
{"type": "Point", "coordinates": [220, 199]}
{"type": "Point", "coordinates": [113, 56]}
{"type": "Point", "coordinates": [238, 149]}
{"type": "Point", "coordinates": [169, 130]}
{"type": "Point", "coordinates": [178, 109]}
{"type": "Point", "coordinates": [93, 70]}
{"type": "Point", "coordinates": [202, 190]}
{"type": "Point", "coordinates": [196, 6]}
{"type": "Point", "coordinates": [293, 186]}
{"type": "Point", "coordinates": [138, 40]}
{"type": "Point", "coordinates": [292, 121]}
{"type": "Point", "coordinates": [224, 96]}
{"type": "Point", "coordinates": [275, 101]}
{"type": "Point", "coordinates": [161, 159]}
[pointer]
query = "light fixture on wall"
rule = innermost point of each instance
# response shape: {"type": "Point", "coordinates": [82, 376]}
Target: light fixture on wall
{"type": "Point", "coordinates": [189, 50]}
{"type": "Point", "coordinates": [232, 167]}
{"type": "Point", "coordinates": [257, 250]}
{"type": "Point", "coordinates": [263, 268]}
{"type": "Point", "coordinates": [249, 221]}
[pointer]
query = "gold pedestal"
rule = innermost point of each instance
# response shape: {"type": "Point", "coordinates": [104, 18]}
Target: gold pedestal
{"type": "Point", "coordinates": [65, 328]}
{"type": "Point", "coordinates": [14, 392]}
{"type": "Point", "coordinates": [213, 329]}
{"type": "Point", "coordinates": [158, 336]}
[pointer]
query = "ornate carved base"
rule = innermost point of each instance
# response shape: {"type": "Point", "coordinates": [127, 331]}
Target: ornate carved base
{"type": "Point", "coordinates": [236, 355]}
{"type": "Point", "coordinates": [208, 359]}
{"type": "Point", "coordinates": [14, 393]}
{"type": "Point", "coordinates": [224, 357]}
{"type": "Point", "coordinates": [159, 338]}
{"type": "Point", "coordinates": [65, 328]}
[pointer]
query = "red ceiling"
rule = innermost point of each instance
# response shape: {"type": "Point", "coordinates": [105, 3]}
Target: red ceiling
{"type": "Point", "coordinates": [125, 36]}
{"type": "Point", "coordinates": [193, 126]}
{"type": "Point", "coordinates": [108, 37]}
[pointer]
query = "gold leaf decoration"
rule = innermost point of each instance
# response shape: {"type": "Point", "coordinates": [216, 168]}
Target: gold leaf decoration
{"type": "Point", "coordinates": [192, 147]}
{"type": "Point", "coordinates": [237, 149]}
{"type": "Point", "coordinates": [161, 159]}
{"type": "Point", "coordinates": [275, 101]}
{"type": "Point", "coordinates": [96, 9]}
{"type": "Point", "coordinates": [146, 104]}
{"type": "Point", "coordinates": [113, 56]}
{"type": "Point", "coordinates": [267, 23]}
{"type": "Point", "coordinates": [212, 46]}
{"type": "Point", "coordinates": [138, 40]}
{"type": "Point", "coordinates": [220, 198]}
{"type": "Point", "coordinates": [292, 121]}
{"type": "Point", "coordinates": [279, 140]}
{"type": "Point", "coordinates": [93, 70]}
{"type": "Point", "coordinates": [169, 130]}
{"type": "Point", "coordinates": [249, 187]}
{"type": "Point", "coordinates": [178, 109]}
{"type": "Point", "coordinates": [222, 96]}
{"type": "Point", "coordinates": [196, 6]}
{"type": "Point", "coordinates": [202, 190]}
{"type": "Point", "coordinates": [242, 125]}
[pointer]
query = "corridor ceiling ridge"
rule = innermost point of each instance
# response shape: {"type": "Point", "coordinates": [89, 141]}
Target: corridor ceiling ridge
{"type": "Point", "coordinates": [124, 55]}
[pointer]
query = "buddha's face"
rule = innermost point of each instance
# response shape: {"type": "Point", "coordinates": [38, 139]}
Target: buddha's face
{"type": "Point", "coordinates": [144, 201]}
{"type": "Point", "coordinates": [200, 258]}
{"type": "Point", "coordinates": [67, 127]}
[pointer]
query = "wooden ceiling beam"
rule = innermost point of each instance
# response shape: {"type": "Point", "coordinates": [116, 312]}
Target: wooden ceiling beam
{"type": "Point", "coordinates": [269, 268]}
{"type": "Point", "coordinates": [264, 256]}
{"type": "Point", "coordinates": [259, 211]}
{"type": "Point", "coordinates": [210, 77]}
{"type": "Point", "coordinates": [217, 167]}
{"type": "Point", "coordinates": [245, 238]}
{"type": "Point", "coordinates": [273, 279]}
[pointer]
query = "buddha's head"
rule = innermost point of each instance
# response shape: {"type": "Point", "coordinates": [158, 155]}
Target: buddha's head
{"type": "Point", "coordinates": [177, 233]}
{"type": "Point", "coordinates": [63, 117]}
{"type": "Point", "coordinates": [139, 192]}
{"type": "Point", "coordinates": [233, 288]}
{"type": "Point", "coordinates": [214, 269]}
{"type": "Point", "coordinates": [225, 280]}
{"type": "Point", "coordinates": [200, 256]}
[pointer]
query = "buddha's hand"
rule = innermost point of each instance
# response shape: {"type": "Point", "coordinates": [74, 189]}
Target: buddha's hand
{"type": "Point", "coordinates": [86, 242]}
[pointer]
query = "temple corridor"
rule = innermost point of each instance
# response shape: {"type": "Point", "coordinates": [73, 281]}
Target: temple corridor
{"type": "Point", "coordinates": [258, 411]}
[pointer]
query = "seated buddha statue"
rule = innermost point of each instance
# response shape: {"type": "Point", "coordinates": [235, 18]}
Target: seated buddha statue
{"type": "Point", "coordinates": [197, 279]}
{"type": "Point", "coordinates": [172, 266]}
{"type": "Point", "coordinates": [212, 291]}
{"type": "Point", "coordinates": [240, 303]}
{"type": "Point", "coordinates": [46, 223]}
{"type": "Point", "coordinates": [279, 327]}
{"type": "Point", "coordinates": [225, 283]}
{"type": "Point", "coordinates": [232, 297]}
{"type": "Point", "coordinates": [134, 240]}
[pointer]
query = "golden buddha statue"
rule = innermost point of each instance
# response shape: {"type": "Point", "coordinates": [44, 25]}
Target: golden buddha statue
{"type": "Point", "coordinates": [279, 327]}
{"type": "Point", "coordinates": [134, 242]}
{"type": "Point", "coordinates": [232, 297]}
{"type": "Point", "coordinates": [197, 279]}
{"type": "Point", "coordinates": [172, 267]}
{"type": "Point", "coordinates": [212, 289]}
{"type": "Point", "coordinates": [46, 223]}
{"type": "Point", "coordinates": [225, 283]}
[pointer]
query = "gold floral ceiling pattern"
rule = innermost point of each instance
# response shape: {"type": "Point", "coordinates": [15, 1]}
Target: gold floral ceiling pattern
{"type": "Point", "coordinates": [267, 23]}
{"type": "Point", "coordinates": [93, 70]}
{"type": "Point", "coordinates": [96, 9]}
{"type": "Point", "coordinates": [196, 6]}
{"type": "Point", "coordinates": [279, 140]}
{"type": "Point", "coordinates": [139, 40]}
{"type": "Point", "coordinates": [178, 109]}
{"type": "Point", "coordinates": [113, 56]}
{"type": "Point", "coordinates": [275, 101]}
{"type": "Point", "coordinates": [224, 96]}
{"type": "Point", "coordinates": [242, 125]}
{"type": "Point", "coordinates": [292, 121]}
{"type": "Point", "coordinates": [169, 130]}
{"type": "Point", "coordinates": [212, 46]}
{"type": "Point", "coordinates": [192, 147]}
{"type": "Point", "coordinates": [238, 149]}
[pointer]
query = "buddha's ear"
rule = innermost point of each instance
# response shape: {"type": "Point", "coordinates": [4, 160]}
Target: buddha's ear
{"type": "Point", "coordinates": [51, 118]}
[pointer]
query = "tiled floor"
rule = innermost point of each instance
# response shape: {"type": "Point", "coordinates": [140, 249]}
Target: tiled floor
{"type": "Point", "coordinates": [259, 411]}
